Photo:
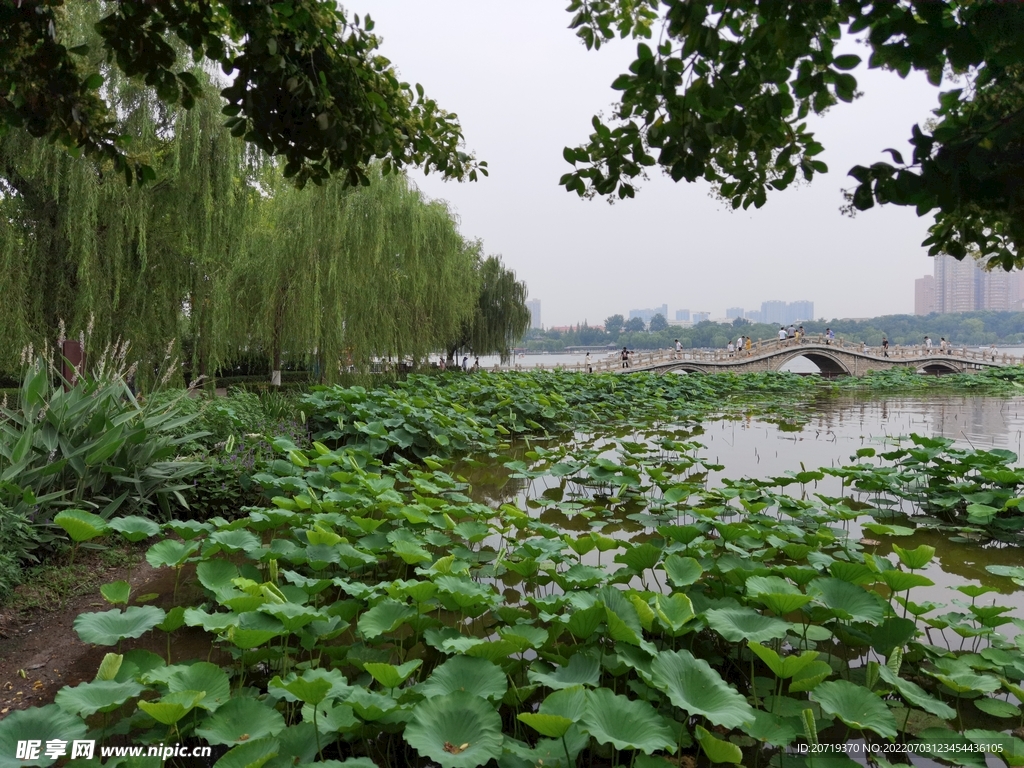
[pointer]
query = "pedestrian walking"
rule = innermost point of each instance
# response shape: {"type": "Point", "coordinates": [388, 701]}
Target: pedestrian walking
{"type": "Point", "coordinates": [625, 358]}
{"type": "Point", "coordinates": [782, 333]}
{"type": "Point", "coordinates": [885, 347]}
{"type": "Point", "coordinates": [586, 363]}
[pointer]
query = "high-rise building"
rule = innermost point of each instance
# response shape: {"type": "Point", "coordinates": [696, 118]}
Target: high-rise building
{"type": "Point", "coordinates": [964, 286]}
{"type": "Point", "coordinates": [700, 317]}
{"type": "Point", "coordinates": [924, 295]}
{"type": "Point", "coordinates": [534, 306]}
{"type": "Point", "coordinates": [647, 314]}
{"type": "Point", "coordinates": [733, 312]}
{"type": "Point", "coordinates": [683, 314]}
{"type": "Point", "coordinates": [801, 310]}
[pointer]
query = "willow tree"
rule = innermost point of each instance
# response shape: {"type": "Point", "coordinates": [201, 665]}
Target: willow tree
{"type": "Point", "coordinates": [78, 245]}
{"type": "Point", "coordinates": [500, 316]}
{"type": "Point", "coordinates": [352, 274]}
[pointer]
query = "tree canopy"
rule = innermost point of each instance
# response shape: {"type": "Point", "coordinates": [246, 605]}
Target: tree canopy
{"type": "Point", "coordinates": [725, 93]}
{"type": "Point", "coordinates": [303, 81]}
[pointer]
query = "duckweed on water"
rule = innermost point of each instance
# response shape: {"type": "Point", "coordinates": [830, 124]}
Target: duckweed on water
{"type": "Point", "coordinates": [373, 614]}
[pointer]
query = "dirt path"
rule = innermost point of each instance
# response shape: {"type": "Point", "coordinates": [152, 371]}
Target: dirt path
{"type": "Point", "coordinates": [40, 652]}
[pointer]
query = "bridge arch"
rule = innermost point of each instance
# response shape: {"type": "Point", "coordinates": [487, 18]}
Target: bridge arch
{"type": "Point", "coordinates": [828, 363]}
{"type": "Point", "coordinates": [939, 368]}
{"type": "Point", "coordinates": [685, 368]}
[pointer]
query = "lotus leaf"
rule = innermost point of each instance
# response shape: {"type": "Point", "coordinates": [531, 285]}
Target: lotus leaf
{"type": "Point", "coordinates": [383, 618]}
{"type": "Point", "coordinates": [626, 724]}
{"type": "Point", "coordinates": [38, 723]}
{"type": "Point", "coordinates": [331, 717]}
{"type": "Point", "coordinates": [99, 696]}
{"type": "Point", "coordinates": [456, 730]}
{"type": "Point", "coordinates": [738, 624]}
{"type": "Point", "coordinates": [117, 592]}
{"type": "Point", "coordinates": [170, 553]}
{"type": "Point", "coordinates": [692, 685]}
{"type": "Point", "coordinates": [582, 669]}
{"type": "Point", "coordinates": [783, 667]}
{"type": "Point", "coordinates": [467, 674]}
{"type": "Point", "coordinates": [81, 525]}
{"type": "Point", "coordinates": [170, 708]}
{"type": "Point", "coordinates": [134, 528]}
{"type": "Point", "coordinates": [717, 750]}
{"type": "Point", "coordinates": [847, 601]}
{"type": "Point", "coordinates": [240, 720]}
{"type": "Point", "coordinates": [110, 627]}
{"type": "Point", "coordinates": [250, 754]}
{"type": "Point", "coordinates": [390, 676]}
{"type": "Point", "coordinates": [682, 571]}
{"type": "Point", "coordinates": [201, 676]}
{"type": "Point", "coordinates": [856, 706]}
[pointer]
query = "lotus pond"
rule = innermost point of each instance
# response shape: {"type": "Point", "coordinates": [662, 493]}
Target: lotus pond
{"type": "Point", "coordinates": [554, 569]}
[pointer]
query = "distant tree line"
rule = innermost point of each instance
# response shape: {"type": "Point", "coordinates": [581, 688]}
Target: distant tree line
{"type": "Point", "coordinates": [961, 329]}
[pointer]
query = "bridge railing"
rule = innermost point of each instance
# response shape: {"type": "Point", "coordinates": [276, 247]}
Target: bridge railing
{"type": "Point", "coordinates": [768, 347]}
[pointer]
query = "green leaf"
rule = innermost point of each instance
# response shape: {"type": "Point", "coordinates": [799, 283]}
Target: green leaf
{"type": "Point", "coordinates": [856, 706]}
{"type": "Point", "coordinates": [675, 611]}
{"type": "Point", "coordinates": [682, 571]}
{"type": "Point", "coordinates": [170, 553]}
{"type": "Point", "coordinates": [582, 669]}
{"type": "Point", "coordinates": [240, 720]}
{"type": "Point", "coordinates": [81, 525]}
{"type": "Point", "coordinates": [383, 618]}
{"type": "Point", "coordinates": [808, 677]}
{"type": "Point", "coordinates": [997, 707]}
{"type": "Point", "coordinates": [311, 691]}
{"type": "Point", "coordinates": [99, 696]}
{"type": "Point", "coordinates": [625, 723]}
{"type": "Point", "coordinates": [848, 61]}
{"type": "Point", "coordinates": [110, 666]}
{"type": "Point", "coordinates": [170, 708]}
{"type": "Point", "coordinates": [692, 685]}
{"type": "Point", "coordinates": [467, 675]}
{"type": "Point", "coordinates": [110, 627]}
{"type": "Point", "coordinates": [916, 695]}
{"type": "Point", "coordinates": [202, 676]}
{"type": "Point", "coordinates": [914, 558]}
{"type": "Point", "coordinates": [134, 528]}
{"type": "Point", "coordinates": [37, 723]}
{"type": "Point", "coordinates": [458, 730]}
{"type": "Point", "coordinates": [717, 750]}
{"type": "Point", "coordinates": [739, 624]}
{"type": "Point", "coordinates": [116, 592]}
{"type": "Point", "coordinates": [251, 754]}
{"type": "Point", "coordinates": [847, 601]}
{"type": "Point", "coordinates": [390, 676]}
{"type": "Point", "coordinates": [783, 667]}
{"type": "Point", "coordinates": [552, 726]}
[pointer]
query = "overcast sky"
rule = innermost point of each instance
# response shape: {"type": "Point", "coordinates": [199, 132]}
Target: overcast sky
{"type": "Point", "coordinates": [524, 87]}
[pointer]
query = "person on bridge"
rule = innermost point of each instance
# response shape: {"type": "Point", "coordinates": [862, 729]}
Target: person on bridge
{"type": "Point", "coordinates": [943, 344]}
{"type": "Point", "coordinates": [782, 333]}
{"type": "Point", "coordinates": [747, 342]}
{"type": "Point", "coordinates": [731, 348]}
{"type": "Point", "coordinates": [829, 336]}
{"type": "Point", "coordinates": [587, 365]}
{"type": "Point", "coordinates": [992, 352]}
{"type": "Point", "coordinates": [625, 357]}
{"type": "Point", "coordinates": [885, 347]}
{"type": "Point", "coordinates": [927, 342]}
{"type": "Point", "coordinates": [679, 349]}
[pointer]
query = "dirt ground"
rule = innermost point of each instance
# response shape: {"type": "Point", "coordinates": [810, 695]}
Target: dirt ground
{"type": "Point", "coordinates": [40, 652]}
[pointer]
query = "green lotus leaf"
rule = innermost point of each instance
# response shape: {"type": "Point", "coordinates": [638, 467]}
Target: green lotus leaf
{"type": "Point", "coordinates": [170, 553]}
{"type": "Point", "coordinates": [855, 573]}
{"type": "Point", "coordinates": [717, 750]}
{"type": "Point", "coordinates": [202, 676]}
{"type": "Point", "coordinates": [783, 667]}
{"type": "Point", "coordinates": [331, 717]}
{"type": "Point", "coordinates": [625, 723]}
{"type": "Point", "coordinates": [240, 720]}
{"type": "Point", "coordinates": [457, 730]}
{"type": "Point", "coordinates": [311, 691]}
{"type": "Point", "coordinates": [383, 618]}
{"type": "Point", "coordinates": [682, 571]}
{"type": "Point", "coordinates": [211, 622]}
{"type": "Point", "coordinates": [692, 685]}
{"type": "Point", "coordinates": [582, 669]}
{"type": "Point", "coordinates": [170, 708]}
{"type": "Point", "coordinates": [552, 726]}
{"type": "Point", "coordinates": [901, 581]}
{"type": "Point", "coordinates": [570, 703]}
{"type": "Point", "coordinates": [251, 754]}
{"type": "Point", "coordinates": [997, 708]}
{"type": "Point", "coordinates": [187, 529]}
{"type": "Point", "coordinates": [110, 666]}
{"type": "Point", "coordinates": [116, 592]}
{"type": "Point", "coordinates": [738, 624]}
{"type": "Point", "coordinates": [253, 630]}
{"type": "Point", "coordinates": [954, 746]}
{"type": "Point", "coordinates": [641, 557]}
{"type": "Point", "coordinates": [856, 706]}
{"type": "Point", "coordinates": [216, 575]}
{"type": "Point", "coordinates": [847, 601]}
{"type": "Point", "coordinates": [584, 623]}
{"type": "Point", "coordinates": [1009, 748]}
{"type": "Point", "coordinates": [110, 627]}
{"type": "Point", "coordinates": [774, 729]}
{"type": "Point", "coordinates": [524, 635]}
{"type": "Point", "coordinates": [892, 633]}
{"type": "Point", "coordinates": [292, 615]}
{"type": "Point", "coordinates": [174, 620]}
{"type": "Point", "coordinates": [390, 676]}
{"type": "Point", "coordinates": [467, 674]}
{"type": "Point", "coordinates": [369, 705]}
{"type": "Point", "coordinates": [916, 695]}
{"type": "Point", "coordinates": [81, 525]}
{"type": "Point", "coordinates": [36, 724]}
{"type": "Point", "coordinates": [981, 514]}
{"type": "Point", "coordinates": [776, 594]}
{"type": "Point", "coordinates": [914, 558]}
{"type": "Point", "coordinates": [134, 528]}
{"type": "Point", "coordinates": [808, 677]}
{"type": "Point", "coordinates": [235, 541]}
{"type": "Point", "coordinates": [99, 696]}
{"type": "Point", "coordinates": [675, 611]}
{"type": "Point", "coordinates": [966, 681]}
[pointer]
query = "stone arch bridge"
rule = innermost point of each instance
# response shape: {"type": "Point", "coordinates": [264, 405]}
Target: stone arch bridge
{"type": "Point", "coordinates": [836, 359]}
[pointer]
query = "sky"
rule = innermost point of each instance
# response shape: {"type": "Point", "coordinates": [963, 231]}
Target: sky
{"type": "Point", "coordinates": [524, 87]}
